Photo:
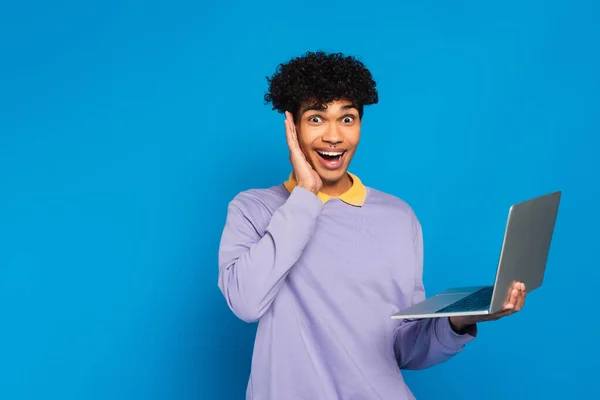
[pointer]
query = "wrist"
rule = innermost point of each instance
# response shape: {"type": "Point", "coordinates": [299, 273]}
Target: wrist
{"type": "Point", "coordinates": [310, 188]}
{"type": "Point", "coordinates": [459, 325]}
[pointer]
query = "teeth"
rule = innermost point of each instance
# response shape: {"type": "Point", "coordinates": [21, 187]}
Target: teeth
{"type": "Point", "coordinates": [331, 153]}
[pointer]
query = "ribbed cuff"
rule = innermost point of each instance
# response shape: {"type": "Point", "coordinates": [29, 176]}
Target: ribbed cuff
{"type": "Point", "coordinates": [450, 339]}
{"type": "Point", "coordinates": [305, 201]}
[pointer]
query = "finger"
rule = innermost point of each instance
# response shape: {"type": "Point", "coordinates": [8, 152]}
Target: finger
{"type": "Point", "coordinates": [293, 129]}
{"type": "Point", "coordinates": [514, 295]}
{"type": "Point", "coordinates": [512, 302]}
{"type": "Point", "coordinates": [522, 295]}
{"type": "Point", "coordinates": [289, 134]}
{"type": "Point", "coordinates": [290, 128]}
{"type": "Point", "coordinates": [317, 179]}
{"type": "Point", "coordinates": [519, 302]}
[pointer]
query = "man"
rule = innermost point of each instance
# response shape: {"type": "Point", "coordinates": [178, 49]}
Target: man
{"type": "Point", "coordinates": [322, 261]}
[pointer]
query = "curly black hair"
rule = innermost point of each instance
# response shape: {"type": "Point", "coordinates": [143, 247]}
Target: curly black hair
{"type": "Point", "coordinates": [317, 79]}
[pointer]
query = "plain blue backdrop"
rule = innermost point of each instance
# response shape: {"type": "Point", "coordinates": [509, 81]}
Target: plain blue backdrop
{"type": "Point", "coordinates": [126, 127]}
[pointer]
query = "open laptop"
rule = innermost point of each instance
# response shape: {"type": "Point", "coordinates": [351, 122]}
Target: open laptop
{"type": "Point", "coordinates": [523, 257]}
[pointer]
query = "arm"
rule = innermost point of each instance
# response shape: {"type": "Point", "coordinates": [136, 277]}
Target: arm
{"type": "Point", "coordinates": [420, 344]}
{"type": "Point", "coordinates": [252, 268]}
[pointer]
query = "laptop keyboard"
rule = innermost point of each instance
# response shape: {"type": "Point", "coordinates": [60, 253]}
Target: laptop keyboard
{"type": "Point", "coordinates": [476, 301]}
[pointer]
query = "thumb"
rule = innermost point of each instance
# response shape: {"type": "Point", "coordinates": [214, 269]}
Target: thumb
{"type": "Point", "coordinates": [317, 177]}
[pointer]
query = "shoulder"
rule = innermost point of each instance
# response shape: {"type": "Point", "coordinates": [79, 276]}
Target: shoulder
{"type": "Point", "coordinates": [251, 198]}
{"type": "Point", "coordinates": [258, 205]}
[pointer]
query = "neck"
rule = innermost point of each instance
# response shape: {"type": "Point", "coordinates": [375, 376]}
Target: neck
{"type": "Point", "coordinates": [337, 188]}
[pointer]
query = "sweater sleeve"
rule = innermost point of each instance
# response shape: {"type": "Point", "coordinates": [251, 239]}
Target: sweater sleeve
{"type": "Point", "coordinates": [423, 343]}
{"type": "Point", "coordinates": [253, 266]}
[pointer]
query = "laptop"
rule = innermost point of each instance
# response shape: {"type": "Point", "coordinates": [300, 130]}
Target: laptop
{"type": "Point", "coordinates": [523, 258]}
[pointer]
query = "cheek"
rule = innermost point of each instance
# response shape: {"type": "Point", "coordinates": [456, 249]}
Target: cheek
{"type": "Point", "coordinates": [306, 137]}
{"type": "Point", "coordinates": [353, 137]}
{"type": "Point", "coordinates": [304, 142]}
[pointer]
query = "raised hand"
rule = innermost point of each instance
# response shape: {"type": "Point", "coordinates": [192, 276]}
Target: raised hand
{"type": "Point", "coordinates": [306, 176]}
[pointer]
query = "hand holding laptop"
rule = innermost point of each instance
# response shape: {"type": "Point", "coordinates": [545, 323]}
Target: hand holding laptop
{"type": "Point", "coordinates": [515, 304]}
{"type": "Point", "coordinates": [521, 268]}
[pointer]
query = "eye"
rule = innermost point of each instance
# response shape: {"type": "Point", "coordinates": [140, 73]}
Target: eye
{"type": "Point", "coordinates": [315, 119]}
{"type": "Point", "coordinates": [348, 119]}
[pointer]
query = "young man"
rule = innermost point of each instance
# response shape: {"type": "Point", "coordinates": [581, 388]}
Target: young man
{"type": "Point", "coordinates": [322, 261]}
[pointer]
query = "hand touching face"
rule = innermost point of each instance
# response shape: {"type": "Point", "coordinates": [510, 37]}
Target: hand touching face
{"type": "Point", "coordinates": [306, 176]}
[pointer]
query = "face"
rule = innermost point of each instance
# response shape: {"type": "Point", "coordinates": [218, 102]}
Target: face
{"type": "Point", "coordinates": [328, 137]}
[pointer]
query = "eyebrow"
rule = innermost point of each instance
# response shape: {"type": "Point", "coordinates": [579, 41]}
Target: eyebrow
{"type": "Point", "coordinates": [348, 107]}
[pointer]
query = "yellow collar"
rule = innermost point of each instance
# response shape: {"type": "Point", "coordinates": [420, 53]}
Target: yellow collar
{"type": "Point", "coordinates": [355, 196]}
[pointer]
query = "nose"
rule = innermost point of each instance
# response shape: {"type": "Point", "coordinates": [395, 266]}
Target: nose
{"type": "Point", "coordinates": [333, 135]}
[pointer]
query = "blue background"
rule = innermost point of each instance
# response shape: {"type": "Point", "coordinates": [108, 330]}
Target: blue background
{"type": "Point", "coordinates": [126, 127]}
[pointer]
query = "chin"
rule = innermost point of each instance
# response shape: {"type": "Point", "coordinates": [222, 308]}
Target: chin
{"type": "Point", "coordinates": [331, 177]}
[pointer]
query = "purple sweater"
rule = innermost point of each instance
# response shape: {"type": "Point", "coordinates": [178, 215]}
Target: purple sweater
{"type": "Point", "coordinates": [323, 280]}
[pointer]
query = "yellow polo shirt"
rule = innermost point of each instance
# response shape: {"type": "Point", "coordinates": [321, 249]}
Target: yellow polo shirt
{"type": "Point", "coordinates": [355, 196]}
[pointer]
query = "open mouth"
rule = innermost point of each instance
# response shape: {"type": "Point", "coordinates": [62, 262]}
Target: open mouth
{"type": "Point", "coordinates": [331, 159]}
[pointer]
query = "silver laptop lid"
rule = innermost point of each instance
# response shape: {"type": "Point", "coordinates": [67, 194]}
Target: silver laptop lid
{"type": "Point", "coordinates": [526, 246]}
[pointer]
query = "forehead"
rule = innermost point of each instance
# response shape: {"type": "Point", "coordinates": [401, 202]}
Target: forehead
{"type": "Point", "coordinates": [333, 107]}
